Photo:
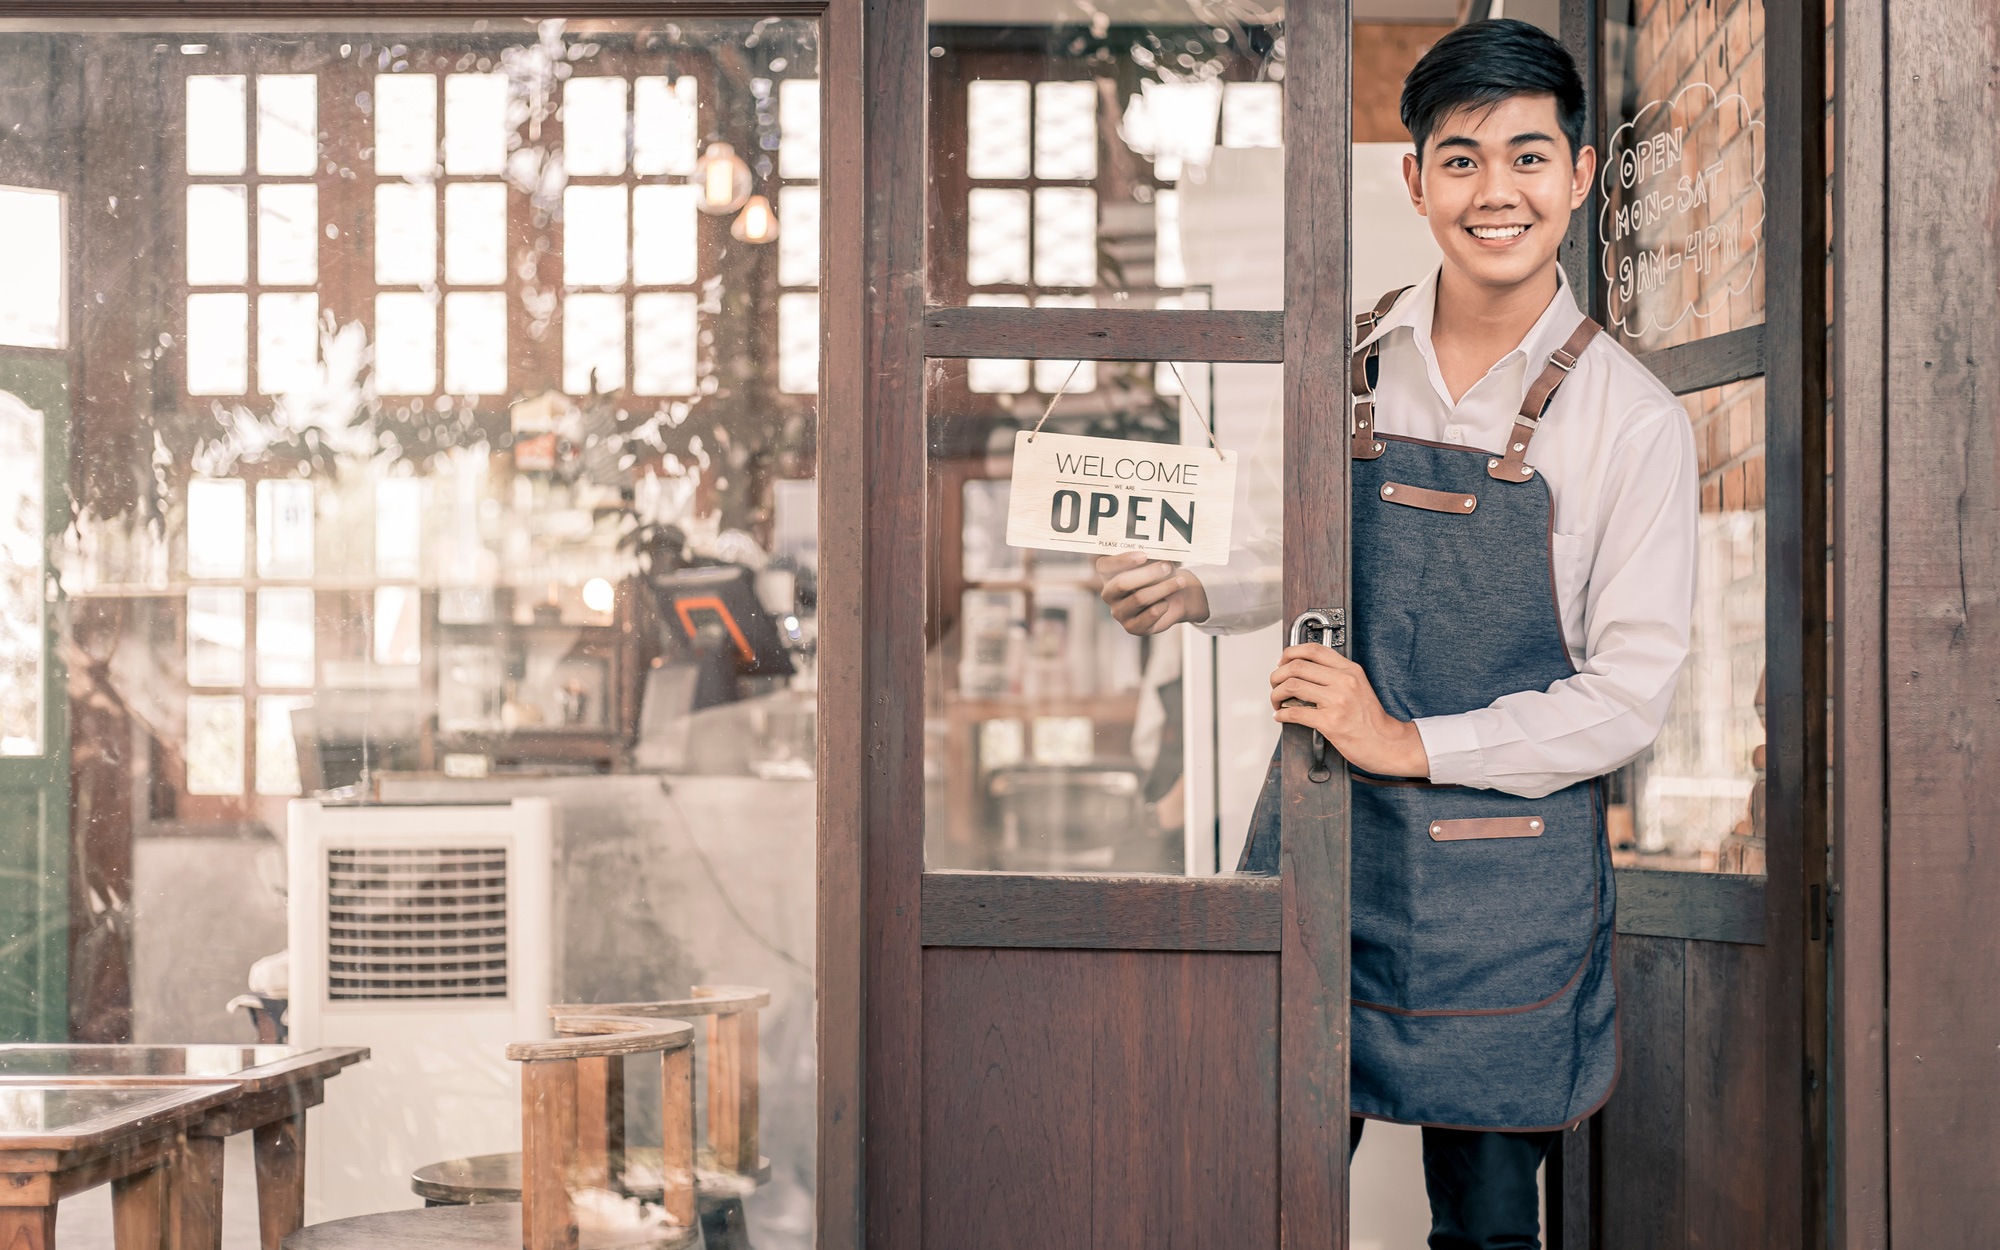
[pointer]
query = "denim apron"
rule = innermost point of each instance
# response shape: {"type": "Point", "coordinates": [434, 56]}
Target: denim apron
{"type": "Point", "coordinates": [1482, 922]}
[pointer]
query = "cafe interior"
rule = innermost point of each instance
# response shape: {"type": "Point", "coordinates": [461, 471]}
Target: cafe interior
{"type": "Point", "coordinates": [408, 644]}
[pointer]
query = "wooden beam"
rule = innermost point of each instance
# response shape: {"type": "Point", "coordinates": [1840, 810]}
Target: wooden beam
{"type": "Point", "coordinates": [1703, 906]}
{"type": "Point", "coordinates": [1859, 915]}
{"type": "Point", "coordinates": [1104, 334]}
{"type": "Point", "coordinates": [1107, 912]}
{"type": "Point", "coordinates": [1314, 1030]}
{"type": "Point", "coordinates": [1713, 361]}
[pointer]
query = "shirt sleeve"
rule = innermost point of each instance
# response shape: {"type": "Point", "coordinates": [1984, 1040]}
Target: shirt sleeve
{"type": "Point", "coordinates": [1639, 601]}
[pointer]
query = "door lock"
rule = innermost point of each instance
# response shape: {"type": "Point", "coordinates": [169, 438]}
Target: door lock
{"type": "Point", "coordinates": [1328, 627]}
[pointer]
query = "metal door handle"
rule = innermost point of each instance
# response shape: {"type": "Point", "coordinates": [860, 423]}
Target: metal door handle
{"type": "Point", "coordinates": [1331, 625]}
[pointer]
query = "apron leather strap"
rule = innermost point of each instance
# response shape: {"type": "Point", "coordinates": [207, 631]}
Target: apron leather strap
{"type": "Point", "coordinates": [1511, 465]}
{"type": "Point", "coordinates": [1362, 382]}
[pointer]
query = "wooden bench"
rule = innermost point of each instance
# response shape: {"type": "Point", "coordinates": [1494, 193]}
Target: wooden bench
{"type": "Point", "coordinates": [567, 1201]}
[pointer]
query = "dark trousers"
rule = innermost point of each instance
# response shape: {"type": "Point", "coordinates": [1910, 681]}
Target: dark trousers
{"type": "Point", "coordinates": [1481, 1185]}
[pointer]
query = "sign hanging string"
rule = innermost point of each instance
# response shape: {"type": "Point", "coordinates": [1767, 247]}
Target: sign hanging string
{"type": "Point", "coordinates": [1185, 393]}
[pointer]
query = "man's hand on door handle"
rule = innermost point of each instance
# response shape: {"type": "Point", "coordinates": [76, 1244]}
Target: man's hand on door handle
{"type": "Point", "coordinates": [1150, 596]}
{"type": "Point", "coordinates": [1334, 696]}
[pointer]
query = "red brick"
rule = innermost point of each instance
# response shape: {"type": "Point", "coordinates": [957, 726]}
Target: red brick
{"type": "Point", "coordinates": [1732, 490]}
{"type": "Point", "coordinates": [1711, 497]}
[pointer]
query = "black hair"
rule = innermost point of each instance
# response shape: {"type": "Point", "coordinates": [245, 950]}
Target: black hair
{"type": "Point", "coordinates": [1482, 63]}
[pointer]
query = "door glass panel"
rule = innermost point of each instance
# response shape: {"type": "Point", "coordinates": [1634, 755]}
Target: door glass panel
{"type": "Point", "coordinates": [456, 446]}
{"type": "Point", "coordinates": [1682, 220]}
{"type": "Point", "coordinates": [1695, 801]}
{"type": "Point", "coordinates": [1079, 156]}
{"type": "Point", "coordinates": [1056, 741]}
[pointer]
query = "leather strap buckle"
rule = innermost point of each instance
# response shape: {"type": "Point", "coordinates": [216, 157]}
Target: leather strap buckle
{"type": "Point", "coordinates": [1562, 360]}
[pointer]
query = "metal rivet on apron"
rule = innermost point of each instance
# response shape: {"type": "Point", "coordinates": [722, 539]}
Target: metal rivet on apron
{"type": "Point", "coordinates": [1388, 490]}
{"type": "Point", "coordinates": [1520, 447]}
{"type": "Point", "coordinates": [1470, 502]}
{"type": "Point", "coordinates": [1492, 464]}
{"type": "Point", "coordinates": [1525, 470]}
{"type": "Point", "coordinates": [1378, 447]}
{"type": "Point", "coordinates": [1534, 824]}
{"type": "Point", "coordinates": [1437, 828]}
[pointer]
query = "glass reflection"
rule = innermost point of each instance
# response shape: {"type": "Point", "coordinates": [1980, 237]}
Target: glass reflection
{"type": "Point", "coordinates": [458, 460]}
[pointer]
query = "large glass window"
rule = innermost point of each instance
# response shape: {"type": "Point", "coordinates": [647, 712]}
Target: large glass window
{"type": "Point", "coordinates": [443, 444]}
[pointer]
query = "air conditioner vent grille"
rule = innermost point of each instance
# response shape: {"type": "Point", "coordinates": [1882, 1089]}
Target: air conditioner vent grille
{"type": "Point", "coordinates": [416, 922]}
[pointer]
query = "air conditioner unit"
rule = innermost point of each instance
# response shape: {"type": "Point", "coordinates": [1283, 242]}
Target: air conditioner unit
{"type": "Point", "coordinates": [422, 932]}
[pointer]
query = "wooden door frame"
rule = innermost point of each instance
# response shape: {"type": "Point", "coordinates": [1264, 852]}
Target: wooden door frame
{"type": "Point", "coordinates": [1791, 919]}
{"type": "Point", "coordinates": [872, 674]}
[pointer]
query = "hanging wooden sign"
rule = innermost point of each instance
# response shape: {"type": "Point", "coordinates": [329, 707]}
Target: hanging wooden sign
{"type": "Point", "coordinates": [1105, 495]}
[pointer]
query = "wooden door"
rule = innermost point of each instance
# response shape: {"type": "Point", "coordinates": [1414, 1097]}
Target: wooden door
{"type": "Point", "coordinates": [1704, 255]}
{"type": "Point", "coordinates": [1061, 1050]}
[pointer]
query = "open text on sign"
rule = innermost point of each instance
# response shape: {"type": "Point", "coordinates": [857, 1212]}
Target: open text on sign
{"type": "Point", "coordinates": [1100, 495]}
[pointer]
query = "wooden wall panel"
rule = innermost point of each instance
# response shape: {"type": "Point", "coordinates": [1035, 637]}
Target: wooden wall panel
{"type": "Point", "coordinates": [1644, 1124]}
{"type": "Point", "coordinates": [1942, 635]}
{"type": "Point", "coordinates": [1092, 1099]}
{"type": "Point", "coordinates": [1723, 1057]}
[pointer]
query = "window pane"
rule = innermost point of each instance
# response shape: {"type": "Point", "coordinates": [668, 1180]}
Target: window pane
{"type": "Point", "coordinates": [1065, 236]}
{"type": "Point", "coordinates": [399, 517]}
{"type": "Point", "coordinates": [277, 748]}
{"type": "Point", "coordinates": [593, 343]}
{"type": "Point", "coordinates": [285, 628]}
{"type": "Point", "coordinates": [665, 125]}
{"type": "Point", "coordinates": [218, 236]}
{"type": "Point", "coordinates": [1253, 115]}
{"type": "Point", "coordinates": [798, 343]}
{"type": "Point", "coordinates": [1682, 179]}
{"type": "Point", "coordinates": [216, 105]}
{"type": "Point", "coordinates": [284, 528]}
{"type": "Point", "coordinates": [475, 233]}
{"type": "Point", "coordinates": [996, 244]}
{"type": "Point", "coordinates": [215, 636]}
{"type": "Point", "coordinates": [287, 124]}
{"type": "Point", "coordinates": [1127, 117]}
{"type": "Point", "coordinates": [396, 626]}
{"type": "Point", "coordinates": [593, 116]}
{"type": "Point", "coordinates": [798, 240]}
{"type": "Point", "coordinates": [1058, 742]}
{"type": "Point", "coordinates": [594, 236]}
{"type": "Point", "coordinates": [1066, 129]}
{"type": "Point", "coordinates": [34, 301]}
{"type": "Point", "coordinates": [215, 514]}
{"type": "Point", "coordinates": [798, 128]}
{"type": "Point", "coordinates": [287, 343]}
{"type": "Point", "coordinates": [406, 125]}
{"type": "Point", "coordinates": [996, 129]}
{"type": "Point", "coordinates": [663, 235]}
{"type": "Point", "coordinates": [405, 234]}
{"type": "Point", "coordinates": [218, 344]}
{"type": "Point", "coordinates": [1695, 800]}
{"type": "Point", "coordinates": [664, 330]}
{"type": "Point", "coordinates": [287, 234]}
{"type": "Point", "coordinates": [405, 344]}
{"type": "Point", "coordinates": [475, 343]}
{"type": "Point", "coordinates": [22, 562]}
{"type": "Point", "coordinates": [475, 123]}
{"type": "Point", "coordinates": [215, 744]}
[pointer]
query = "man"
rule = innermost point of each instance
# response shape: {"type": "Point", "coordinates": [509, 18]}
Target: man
{"type": "Point", "coordinates": [1523, 541]}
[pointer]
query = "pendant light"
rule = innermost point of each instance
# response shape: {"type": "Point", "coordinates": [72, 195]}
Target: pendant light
{"type": "Point", "coordinates": [757, 223]}
{"type": "Point", "coordinates": [723, 178]}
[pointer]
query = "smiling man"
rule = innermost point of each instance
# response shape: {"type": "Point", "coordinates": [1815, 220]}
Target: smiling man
{"type": "Point", "coordinates": [1523, 551]}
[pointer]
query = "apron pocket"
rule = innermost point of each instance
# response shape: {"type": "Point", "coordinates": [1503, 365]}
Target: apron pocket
{"type": "Point", "coordinates": [1500, 921]}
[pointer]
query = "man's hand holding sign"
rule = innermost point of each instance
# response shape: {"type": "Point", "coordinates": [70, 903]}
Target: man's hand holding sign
{"type": "Point", "coordinates": [1151, 507]}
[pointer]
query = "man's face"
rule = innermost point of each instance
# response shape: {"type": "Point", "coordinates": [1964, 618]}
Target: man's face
{"type": "Point", "coordinates": [1497, 185]}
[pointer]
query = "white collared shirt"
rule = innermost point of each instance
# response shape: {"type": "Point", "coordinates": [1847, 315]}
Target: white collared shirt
{"type": "Point", "coordinates": [1618, 455]}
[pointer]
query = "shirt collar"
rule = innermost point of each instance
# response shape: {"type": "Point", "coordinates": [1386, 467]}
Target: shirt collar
{"type": "Point", "coordinates": [1417, 306]}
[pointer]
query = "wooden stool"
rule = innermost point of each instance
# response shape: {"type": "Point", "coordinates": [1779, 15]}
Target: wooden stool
{"type": "Point", "coordinates": [726, 1168]}
{"type": "Point", "coordinates": [59, 1140]}
{"type": "Point", "coordinates": [567, 1201]}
